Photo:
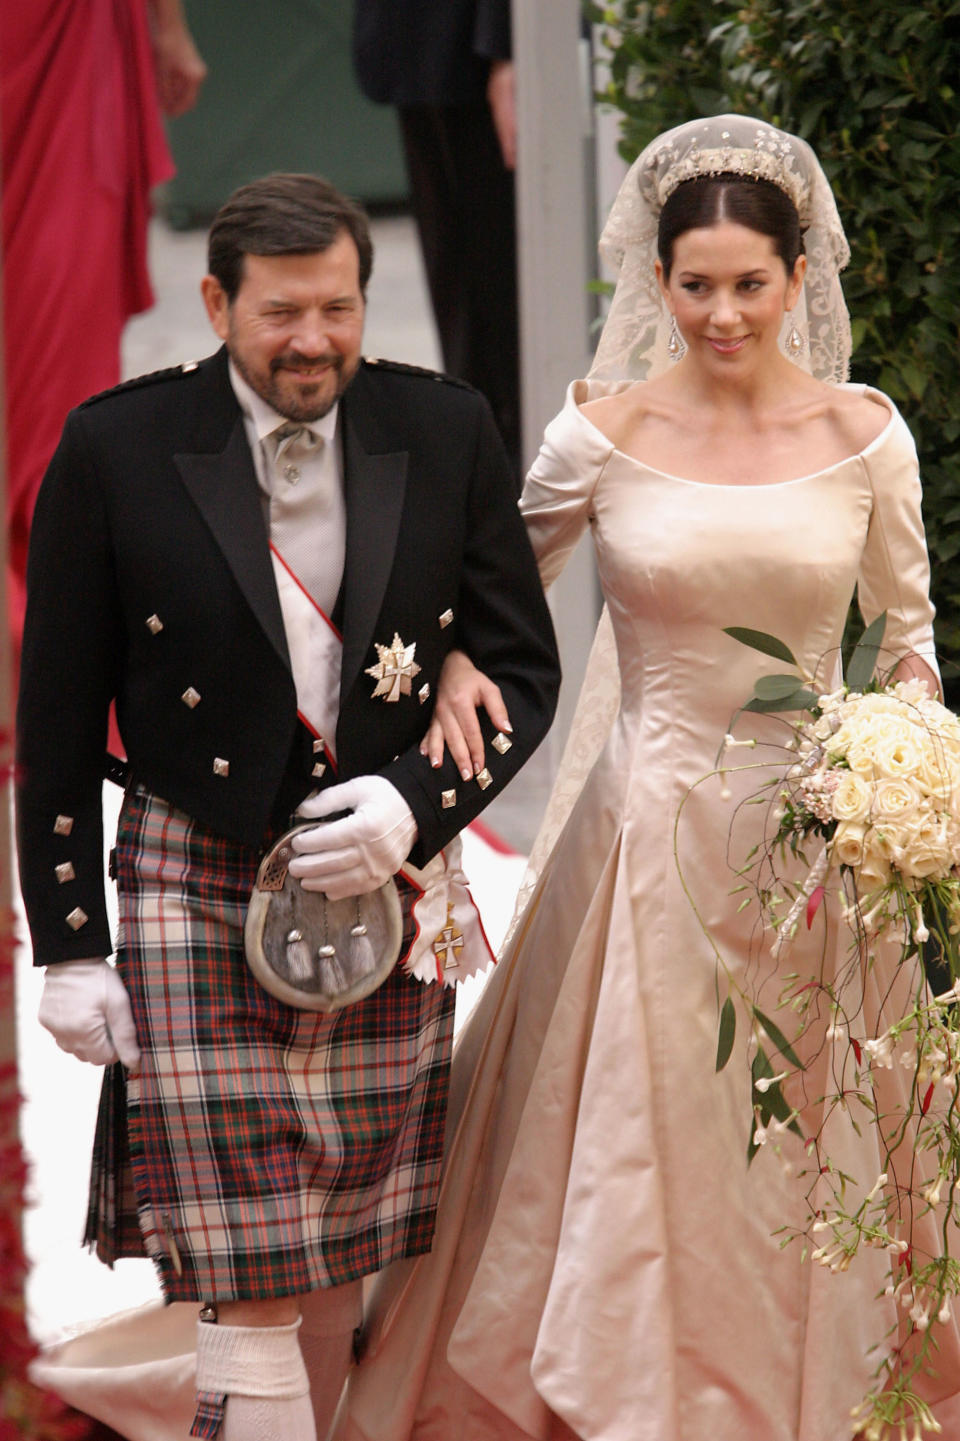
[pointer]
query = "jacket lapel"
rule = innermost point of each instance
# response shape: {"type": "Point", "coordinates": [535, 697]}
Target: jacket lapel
{"type": "Point", "coordinates": [375, 481]}
{"type": "Point", "coordinates": [223, 484]}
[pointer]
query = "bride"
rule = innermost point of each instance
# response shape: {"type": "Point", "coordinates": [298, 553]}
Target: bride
{"type": "Point", "coordinates": [604, 1266]}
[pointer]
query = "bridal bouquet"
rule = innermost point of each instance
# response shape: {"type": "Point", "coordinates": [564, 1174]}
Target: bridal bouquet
{"type": "Point", "coordinates": [864, 834]}
{"type": "Point", "coordinates": [877, 776]}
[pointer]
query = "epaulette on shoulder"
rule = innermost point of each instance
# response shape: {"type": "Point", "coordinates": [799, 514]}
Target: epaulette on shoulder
{"type": "Point", "coordinates": [398, 367]}
{"type": "Point", "coordinates": [155, 377]}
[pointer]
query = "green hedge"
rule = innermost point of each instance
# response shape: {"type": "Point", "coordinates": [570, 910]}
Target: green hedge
{"type": "Point", "coordinates": [875, 88]}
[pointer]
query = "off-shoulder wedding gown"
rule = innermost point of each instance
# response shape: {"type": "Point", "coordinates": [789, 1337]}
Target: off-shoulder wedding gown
{"type": "Point", "coordinates": [604, 1266]}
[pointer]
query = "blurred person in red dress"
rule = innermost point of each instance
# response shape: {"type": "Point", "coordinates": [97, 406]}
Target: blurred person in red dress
{"type": "Point", "coordinates": [81, 93]}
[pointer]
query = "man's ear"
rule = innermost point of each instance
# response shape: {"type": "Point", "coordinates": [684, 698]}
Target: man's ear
{"type": "Point", "coordinates": [217, 305]}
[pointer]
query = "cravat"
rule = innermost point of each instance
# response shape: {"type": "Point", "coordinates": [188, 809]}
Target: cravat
{"type": "Point", "coordinates": [303, 511]}
{"type": "Point", "coordinates": [293, 444]}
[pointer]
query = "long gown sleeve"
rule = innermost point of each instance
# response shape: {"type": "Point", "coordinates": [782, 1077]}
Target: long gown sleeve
{"type": "Point", "coordinates": [895, 567]}
{"type": "Point", "coordinates": [557, 500]}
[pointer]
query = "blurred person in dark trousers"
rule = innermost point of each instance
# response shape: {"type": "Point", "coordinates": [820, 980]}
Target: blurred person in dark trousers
{"type": "Point", "coordinates": [446, 66]}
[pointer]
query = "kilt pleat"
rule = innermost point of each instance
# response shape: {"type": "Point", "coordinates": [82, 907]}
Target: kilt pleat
{"type": "Point", "coordinates": [270, 1150]}
{"type": "Point", "coordinates": [112, 1228]}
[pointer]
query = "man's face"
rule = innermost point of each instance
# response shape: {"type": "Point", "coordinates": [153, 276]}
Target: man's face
{"type": "Point", "coordinates": [295, 326]}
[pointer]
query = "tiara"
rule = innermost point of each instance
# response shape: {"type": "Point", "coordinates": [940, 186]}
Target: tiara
{"type": "Point", "coordinates": [770, 158]}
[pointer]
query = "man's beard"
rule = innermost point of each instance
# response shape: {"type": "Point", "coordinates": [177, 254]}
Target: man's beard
{"type": "Point", "coordinates": [296, 401]}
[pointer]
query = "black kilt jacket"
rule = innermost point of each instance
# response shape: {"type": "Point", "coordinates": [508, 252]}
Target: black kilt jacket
{"type": "Point", "coordinates": [150, 579]}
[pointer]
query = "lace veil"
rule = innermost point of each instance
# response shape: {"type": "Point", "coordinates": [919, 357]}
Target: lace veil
{"type": "Point", "coordinates": [633, 346]}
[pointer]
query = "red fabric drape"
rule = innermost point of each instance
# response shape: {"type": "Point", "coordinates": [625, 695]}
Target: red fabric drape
{"type": "Point", "coordinates": [82, 143]}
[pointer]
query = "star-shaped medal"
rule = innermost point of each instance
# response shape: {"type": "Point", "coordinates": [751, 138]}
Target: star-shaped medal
{"type": "Point", "coordinates": [395, 669]}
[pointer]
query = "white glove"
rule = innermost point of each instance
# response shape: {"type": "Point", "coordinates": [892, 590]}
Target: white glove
{"type": "Point", "coordinates": [360, 853]}
{"type": "Point", "coordinates": [86, 1009]}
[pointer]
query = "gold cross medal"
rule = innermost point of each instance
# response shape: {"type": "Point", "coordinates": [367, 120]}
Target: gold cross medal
{"type": "Point", "coordinates": [448, 944]}
{"type": "Point", "coordinates": [394, 670]}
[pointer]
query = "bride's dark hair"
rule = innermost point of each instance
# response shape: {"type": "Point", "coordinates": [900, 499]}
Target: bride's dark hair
{"type": "Point", "coordinates": [758, 204]}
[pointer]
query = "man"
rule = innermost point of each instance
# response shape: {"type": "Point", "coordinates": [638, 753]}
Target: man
{"type": "Point", "coordinates": [263, 558]}
{"type": "Point", "coordinates": [446, 66]}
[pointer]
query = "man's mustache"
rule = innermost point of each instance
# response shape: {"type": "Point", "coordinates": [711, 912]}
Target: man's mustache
{"type": "Point", "coordinates": [294, 359]}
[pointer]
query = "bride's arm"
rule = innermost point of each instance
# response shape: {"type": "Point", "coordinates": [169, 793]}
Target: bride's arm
{"type": "Point", "coordinates": [895, 567]}
{"type": "Point", "coordinates": [558, 495]}
{"type": "Point", "coordinates": [557, 504]}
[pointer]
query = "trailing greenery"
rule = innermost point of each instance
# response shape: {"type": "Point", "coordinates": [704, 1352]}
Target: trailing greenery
{"type": "Point", "coordinates": [874, 85]}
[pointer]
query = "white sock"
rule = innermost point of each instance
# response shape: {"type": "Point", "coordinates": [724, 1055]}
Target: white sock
{"type": "Point", "coordinates": [260, 1370]}
{"type": "Point", "coordinates": [275, 1418]}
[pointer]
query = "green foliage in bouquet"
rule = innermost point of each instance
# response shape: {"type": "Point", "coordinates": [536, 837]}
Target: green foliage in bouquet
{"type": "Point", "coordinates": [874, 86]}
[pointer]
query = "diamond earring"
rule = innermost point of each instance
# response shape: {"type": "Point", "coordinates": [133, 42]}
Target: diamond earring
{"type": "Point", "coordinates": [794, 340]}
{"type": "Point", "coordinates": [675, 345]}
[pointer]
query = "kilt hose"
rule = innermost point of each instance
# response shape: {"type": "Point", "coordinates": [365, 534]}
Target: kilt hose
{"type": "Point", "coordinates": [262, 1150]}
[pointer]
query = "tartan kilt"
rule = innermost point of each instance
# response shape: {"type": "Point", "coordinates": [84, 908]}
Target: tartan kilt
{"type": "Point", "coordinates": [262, 1150]}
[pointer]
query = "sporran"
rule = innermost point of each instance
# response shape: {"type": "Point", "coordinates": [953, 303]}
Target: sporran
{"type": "Point", "coordinates": [313, 952]}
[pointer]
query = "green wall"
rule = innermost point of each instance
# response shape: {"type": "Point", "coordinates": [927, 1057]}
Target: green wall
{"type": "Point", "coordinates": [280, 95]}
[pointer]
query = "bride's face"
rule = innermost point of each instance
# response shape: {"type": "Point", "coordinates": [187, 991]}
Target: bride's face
{"type": "Point", "coordinates": [728, 289]}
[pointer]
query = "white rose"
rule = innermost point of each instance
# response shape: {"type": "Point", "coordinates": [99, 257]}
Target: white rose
{"type": "Point", "coordinates": [897, 753]}
{"type": "Point", "coordinates": [894, 800]}
{"type": "Point", "coordinates": [860, 724]}
{"type": "Point", "coordinates": [937, 721]}
{"type": "Point", "coordinates": [935, 771]}
{"type": "Point", "coordinates": [877, 849]}
{"type": "Point", "coordinates": [842, 735]}
{"type": "Point", "coordinates": [878, 703]}
{"type": "Point", "coordinates": [851, 799]}
{"type": "Point", "coordinates": [858, 751]}
{"type": "Point", "coordinates": [940, 771]}
{"type": "Point", "coordinates": [873, 874]}
{"type": "Point", "coordinates": [927, 852]}
{"type": "Point", "coordinates": [862, 849]}
{"type": "Point", "coordinates": [938, 717]}
{"type": "Point", "coordinates": [832, 700]}
{"type": "Point", "coordinates": [911, 691]}
{"type": "Point", "coordinates": [875, 742]}
{"type": "Point", "coordinates": [848, 843]}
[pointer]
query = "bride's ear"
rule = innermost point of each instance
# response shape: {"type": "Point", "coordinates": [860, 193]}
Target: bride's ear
{"type": "Point", "coordinates": [662, 282]}
{"type": "Point", "coordinates": [795, 283]}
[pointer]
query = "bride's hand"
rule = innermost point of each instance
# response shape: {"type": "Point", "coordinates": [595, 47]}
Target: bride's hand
{"type": "Point", "coordinates": [462, 691]}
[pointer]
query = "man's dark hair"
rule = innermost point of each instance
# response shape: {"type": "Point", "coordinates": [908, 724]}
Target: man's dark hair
{"type": "Point", "coordinates": [283, 215]}
{"type": "Point", "coordinates": [756, 203]}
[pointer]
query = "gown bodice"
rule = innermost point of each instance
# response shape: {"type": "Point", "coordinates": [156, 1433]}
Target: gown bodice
{"type": "Point", "coordinates": [679, 560]}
